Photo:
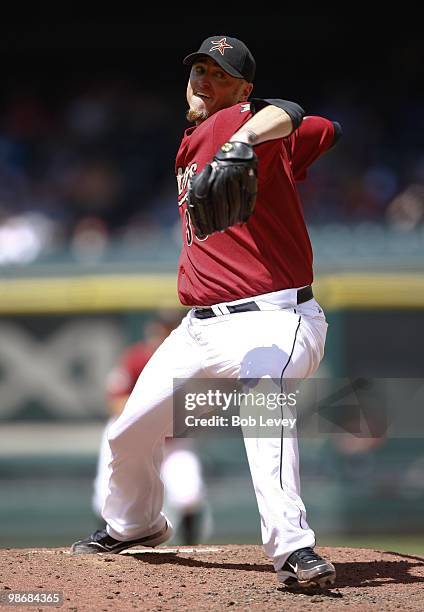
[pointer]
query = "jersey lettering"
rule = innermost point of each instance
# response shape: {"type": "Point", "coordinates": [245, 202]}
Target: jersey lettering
{"type": "Point", "coordinates": [183, 177]}
{"type": "Point", "coordinates": [189, 231]}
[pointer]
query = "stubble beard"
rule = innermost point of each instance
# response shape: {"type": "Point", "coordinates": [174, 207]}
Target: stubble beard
{"type": "Point", "coordinates": [196, 116]}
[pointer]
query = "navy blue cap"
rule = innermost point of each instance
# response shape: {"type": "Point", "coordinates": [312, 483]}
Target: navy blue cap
{"type": "Point", "coordinates": [230, 53]}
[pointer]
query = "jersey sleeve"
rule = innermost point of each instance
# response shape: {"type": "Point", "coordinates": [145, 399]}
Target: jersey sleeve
{"type": "Point", "coordinates": [315, 136]}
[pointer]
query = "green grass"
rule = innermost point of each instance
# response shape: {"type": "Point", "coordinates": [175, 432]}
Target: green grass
{"type": "Point", "coordinates": [405, 544]}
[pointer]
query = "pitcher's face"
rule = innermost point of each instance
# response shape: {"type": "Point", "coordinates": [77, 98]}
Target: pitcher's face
{"type": "Point", "coordinates": [211, 89]}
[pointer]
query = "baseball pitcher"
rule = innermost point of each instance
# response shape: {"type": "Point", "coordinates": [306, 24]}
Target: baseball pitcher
{"type": "Point", "coordinates": [246, 271]}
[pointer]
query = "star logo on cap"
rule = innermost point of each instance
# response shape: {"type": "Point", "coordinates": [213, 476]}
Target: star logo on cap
{"type": "Point", "coordinates": [220, 45]}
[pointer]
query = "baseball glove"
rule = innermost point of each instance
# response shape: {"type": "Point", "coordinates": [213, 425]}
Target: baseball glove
{"type": "Point", "coordinates": [224, 192]}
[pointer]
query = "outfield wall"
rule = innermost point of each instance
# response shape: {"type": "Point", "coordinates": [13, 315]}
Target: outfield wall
{"type": "Point", "coordinates": [59, 336]}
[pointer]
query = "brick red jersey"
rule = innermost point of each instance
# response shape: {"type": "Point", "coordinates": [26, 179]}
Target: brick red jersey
{"type": "Point", "coordinates": [270, 252]}
{"type": "Point", "coordinates": [123, 377]}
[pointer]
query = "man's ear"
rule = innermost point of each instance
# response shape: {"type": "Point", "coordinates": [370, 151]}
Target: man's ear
{"type": "Point", "coordinates": [246, 91]}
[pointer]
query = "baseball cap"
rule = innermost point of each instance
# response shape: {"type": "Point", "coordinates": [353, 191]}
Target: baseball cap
{"type": "Point", "coordinates": [230, 53]}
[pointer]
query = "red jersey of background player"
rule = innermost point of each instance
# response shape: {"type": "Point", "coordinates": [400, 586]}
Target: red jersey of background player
{"type": "Point", "coordinates": [121, 380]}
{"type": "Point", "coordinates": [270, 252]}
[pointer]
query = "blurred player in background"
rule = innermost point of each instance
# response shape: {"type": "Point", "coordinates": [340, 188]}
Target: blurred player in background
{"type": "Point", "coordinates": [181, 470]}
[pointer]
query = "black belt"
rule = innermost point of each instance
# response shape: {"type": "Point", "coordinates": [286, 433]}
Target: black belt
{"type": "Point", "coordinates": [303, 295]}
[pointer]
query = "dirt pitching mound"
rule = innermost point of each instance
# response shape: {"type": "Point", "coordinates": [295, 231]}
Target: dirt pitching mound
{"type": "Point", "coordinates": [205, 578]}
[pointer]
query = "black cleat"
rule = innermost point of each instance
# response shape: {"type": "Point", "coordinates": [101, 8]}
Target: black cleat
{"type": "Point", "coordinates": [101, 542]}
{"type": "Point", "coordinates": [305, 568]}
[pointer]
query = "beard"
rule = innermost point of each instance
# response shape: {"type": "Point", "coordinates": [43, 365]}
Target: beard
{"type": "Point", "coordinates": [196, 116]}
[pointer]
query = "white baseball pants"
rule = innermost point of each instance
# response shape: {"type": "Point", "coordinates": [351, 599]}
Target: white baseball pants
{"type": "Point", "coordinates": [282, 340]}
{"type": "Point", "coordinates": [181, 473]}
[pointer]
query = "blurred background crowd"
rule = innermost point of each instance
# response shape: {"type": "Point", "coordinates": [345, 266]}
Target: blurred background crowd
{"type": "Point", "coordinates": [88, 137]}
{"type": "Point", "coordinates": [95, 167]}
